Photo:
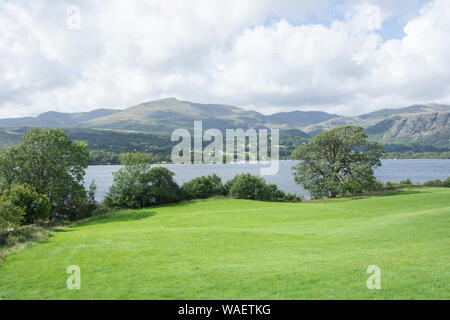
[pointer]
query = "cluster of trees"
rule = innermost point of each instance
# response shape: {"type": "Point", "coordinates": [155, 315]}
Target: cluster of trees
{"type": "Point", "coordinates": [138, 185]}
{"type": "Point", "coordinates": [42, 179]}
{"type": "Point", "coordinates": [438, 183]}
{"type": "Point", "coordinates": [99, 157]}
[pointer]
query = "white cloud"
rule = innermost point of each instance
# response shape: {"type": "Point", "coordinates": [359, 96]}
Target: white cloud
{"type": "Point", "coordinates": [248, 54]}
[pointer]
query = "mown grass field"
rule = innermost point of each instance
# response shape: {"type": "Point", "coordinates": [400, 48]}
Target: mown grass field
{"type": "Point", "coordinates": [236, 249]}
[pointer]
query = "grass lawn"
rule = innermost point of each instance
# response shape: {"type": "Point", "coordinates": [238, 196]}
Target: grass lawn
{"type": "Point", "coordinates": [237, 249]}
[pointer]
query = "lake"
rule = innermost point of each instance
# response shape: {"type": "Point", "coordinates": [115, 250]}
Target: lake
{"type": "Point", "coordinates": [418, 171]}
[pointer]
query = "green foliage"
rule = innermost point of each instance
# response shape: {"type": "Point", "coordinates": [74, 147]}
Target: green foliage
{"type": "Point", "coordinates": [203, 187]}
{"type": "Point", "coordinates": [51, 163]}
{"type": "Point", "coordinates": [137, 185]}
{"type": "Point", "coordinates": [36, 206]}
{"type": "Point", "coordinates": [338, 162]}
{"type": "Point", "coordinates": [446, 183]}
{"type": "Point", "coordinates": [407, 182]}
{"type": "Point", "coordinates": [164, 189]}
{"type": "Point", "coordinates": [250, 187]}
{"type": "Point", "coordinates": [438, 183]}
{"type": "Point", "coordinates": [11, 216]}
{"type": "Point", "coordinates": [134, 159]}
{"type": "Point", "coordinates": [433, 183]}
{"type": "Point", "coordinates": [77, 210]}
{"type": "Point", "coordinates": [99, 157]}
{"type": "Point", "coordinates": [22, 234]}
{"type": "Point", "coordinates": [91, 196]}
{"type": "Point", "coordinates": [298, 152]}
{"type": "Point", "coordinates": [247, 186]}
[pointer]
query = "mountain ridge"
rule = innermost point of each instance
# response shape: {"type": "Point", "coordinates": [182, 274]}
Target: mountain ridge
{"type": "Point", "coordinates": [416, 124]}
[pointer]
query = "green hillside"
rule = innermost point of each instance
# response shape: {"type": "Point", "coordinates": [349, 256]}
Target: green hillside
{"type": "Point", "coordinates": [238, 249]}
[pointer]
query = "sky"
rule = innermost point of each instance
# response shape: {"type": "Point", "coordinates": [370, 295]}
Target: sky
{"type": "Point", "coordinates": [340, 56]}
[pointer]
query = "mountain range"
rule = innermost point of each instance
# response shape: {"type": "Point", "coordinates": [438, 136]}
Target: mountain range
{"type": "Point", "coordinates": [426, 124]}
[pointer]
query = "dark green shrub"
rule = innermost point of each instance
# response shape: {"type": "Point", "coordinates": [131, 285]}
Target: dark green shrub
{"type": "Point", "coordinates": [36, 206]}
{"type": "Point", "coordinates": [446, 183]}
{"type": "Point", "coordinates": [92, 203]}
{"type": "Point", "coordinates": [23, 234]}
{"type": "Point", "coordinates": [227, 186]}
{"type": "Point", "coordinates": [11, 216]}
{"type": "Point", "coordinates": [100, 210]}
{"type": "Point", "coordinates": [289, 197]}
{"type": "Point", "coordinates": [250, 187]}
{"type": "Point", "coordinates": [247, 186]}
{"type": "Point", "coordinates": [163, 188]}
{"type": "Point", "coordinates": [377, 186]}
{"type": "Point", "coordinates": [203, 187]}
{"type": "Point", "coordinates": [137, 185]}
{"type": "Point", "coordinates": [406, 182]}
{"type": "Point", "coordinates": [77, 210]}
{"type": "Point", "coordinates": [390, 185]}
{"type": "Point", "coordinates": [433, 183]}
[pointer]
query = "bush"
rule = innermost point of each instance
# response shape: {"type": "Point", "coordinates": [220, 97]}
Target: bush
{"type": "Point", "coordinates": [390, 185]}
{"type": "Point", "coordinates": [92, 203]}
{"type": "Point", "coordinates": [406, 182]}
{"type": "Point", "coordinates": [377, 186]}
{"type": "Point", "coordinates": [446, 183]}
{"type": "Point", "coordinates": [11, 216]}
{"type": "Point", "coordinates": [246, 186]}
{"type": "Point", "coordinates": [100, 210]}
{"type": "Point", "coordinates": [289, 197]}
{"type": "Point", "coordinates": [433, 183]}
{"type": "Point", "coordinates": [136, 185]}
{"type": "Point", "coordinates": [36, 206]}
{"type": "Point", "coordinates": [250, 187]}
{"type": "Point", "coordinates": [163, 188]}
{"type": "Point", "coordinates": [23, 234]}
{"type": "Point", "coordinates": [203, 187]}
{"type": "Point", "coordinates": [227, 186]}
{"type": "Point", "coordinates": [77, 210]}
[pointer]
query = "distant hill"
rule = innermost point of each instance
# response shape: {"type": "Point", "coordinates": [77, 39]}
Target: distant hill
{"type": "Point", "coordinates": [299, 119]}
{"type": "Point", "coordinates": [426, 125]}
{"type": "Point", "coordinates": [429, 128]}
{"type": "Point", "coordinates": [419, 124]}
{"type": "Point", "coordinates": [169, 114]}
{"type": "Point", "coordinates": [54, 119]}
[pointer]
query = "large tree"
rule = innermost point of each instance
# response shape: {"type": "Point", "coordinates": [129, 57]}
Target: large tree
{"type": "Point", "coordinates": [49, 161]}
{"type": "Point", "coordinates": [338, 162]}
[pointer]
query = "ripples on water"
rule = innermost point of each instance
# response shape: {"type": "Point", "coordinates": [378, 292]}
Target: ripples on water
{"type": "Point", "coordinates": [418, 171]}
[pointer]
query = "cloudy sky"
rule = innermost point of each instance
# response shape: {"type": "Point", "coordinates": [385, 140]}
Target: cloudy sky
{"type": "Point", "coordinates": [343, 56]}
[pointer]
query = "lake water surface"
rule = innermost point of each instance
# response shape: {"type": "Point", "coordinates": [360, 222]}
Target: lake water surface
{"type": "Point", "coordinates": [418, 171]}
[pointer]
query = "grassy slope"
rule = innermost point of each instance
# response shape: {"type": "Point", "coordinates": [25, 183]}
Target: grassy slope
{"type": "Point", "coordinates": [247, 250]}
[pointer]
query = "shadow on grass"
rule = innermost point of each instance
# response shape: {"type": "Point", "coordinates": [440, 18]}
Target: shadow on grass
{"type": "Point", "coordinates": [124, 216]}
{"type": "Point", "coordinates": [384, 193]}
{"type": "Point", "coordinates": [58, 230]}
{"type": "Point", "coordinates": [396, 192]}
